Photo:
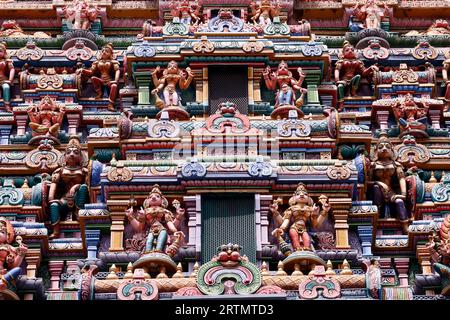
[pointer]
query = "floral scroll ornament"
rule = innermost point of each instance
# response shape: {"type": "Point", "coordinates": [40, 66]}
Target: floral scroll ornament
{"type": "Point", "coordinates": [120, 173]}
{"type": "Point", "coordinates": [79, 52]}
{"type": "Point", "coordinates": [203, 46]}
{"type": "Point", "coordinates": [144, 50]}
{"type": "Point", "coordinates": [163, 128]}
{"type": "Point", "coordinates": [30, 52]}
{"type": "Point", "coordinates": [49, 80]}
{"type": "Point", "coordinates": [311, 50]}
{"type": "Point", "coordinates": [138, 288]}
{"type": "Point", "coordinates": [319, 282]}
{"type": "Point", "coordinates": [441, 191]}
{"type": "Point", "coordinates": [409, 152]}
{"type": "Point", "coordinates": [260, 168]}
{"type": "Point", "coordinates": [193, 169]}
{"type": "Point", "coordinates": [424, 51]}
{"type": "Point", "coordinates": [375, 51]}
{"type": "Point", "coordinates": [44, 157]}
{"type": "Point", "coordinates": [253, 46]}
{"type": "Point", "coordinates": [405, 75]}
{"type": "Point", "coordinates": [338, 171]}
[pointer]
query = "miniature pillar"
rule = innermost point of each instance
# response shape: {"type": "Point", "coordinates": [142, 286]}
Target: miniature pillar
{"type": "Point", "coordinates": [423, 255]}
{"type": "Point", "coordinates": [365, 235]}
{"type": "Point", "coordinates": [92, 240]}
{"type": "Point", "coordinates": [74, 123]}
{"type": "Point", "coordinates": [402, 266]}
{"type": "Point", "coordinates": [385, 263]}
{"type": "Point", "coordinates": [435, 117]}
{"type": "Point", "coordinates": [33, 259]}
{"type": "Point", "coordinates": [117, 209]}
{"type": "Point", "coordinates": [251, 98]}
{"type": "Point", "coordinates": [144, 95]}
{"type": "Point", "coordinates": [341, 207]}
{"type": "Point", "coordinates": [205, 96]}
{"type": "Point", "coordinates": [55, 268]}
{"type": "Point", "coordinates": [193, 207]}
{"type": "Point", "coordinates": [382, 119]}
{"type": "Point", "coordinates": [21, 121]}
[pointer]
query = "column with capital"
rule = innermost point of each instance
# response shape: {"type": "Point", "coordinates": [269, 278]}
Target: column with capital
{"type": "Point", "coordinates": [365, 235]}
{"type": "Point", "coordinates": [55, 268]}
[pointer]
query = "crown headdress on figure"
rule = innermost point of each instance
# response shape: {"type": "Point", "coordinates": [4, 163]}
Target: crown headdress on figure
{"type": "Point", "coordinates": [74, 142]}
{"type": "Point", "coordinates": [109, 46]}
{"type": "Point", "coordinates": [301, 187]}
{"type": "Point", "coordinates": [346, 44]}
{"type": "Point", "coordinates": [156, 190]}
{"type": "Point", "coordinates": [7, 227]}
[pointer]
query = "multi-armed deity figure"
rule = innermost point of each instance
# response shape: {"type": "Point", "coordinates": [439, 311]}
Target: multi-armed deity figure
{"type": "Point", "coordinates": [370, 13]}
{"type": "Point", "coordinates": [302, 210]}
{"type": "Point", "coordinates": [7, 73]}
{"type": "Point", "coordinates": [81, 14]}
{"type": "Point", "coordinates": [155, 219]}
{"type": "Point", "coordinates": [348, 72]}
{"type": "Point", "coordinates": [10, 257]}
{"type": "Point", "coordinates": [172, 76]}
{"type": "Point", "coordinates": [387, 175]}
{"type": "Point", "coordinates": [68, 190]}
{"type": "Point", "coordinates": [287, 85]}
{"type": "Point", "coordinates": [445, 76]}
{"type": "Point", "coordinates": [264, 13]}
{"type": "Point", "coordinates": [46, 117]}
{"type": "Point", "coordinates": [186, 11]}
{"type": "Point", "coordinates": [412, 117]}
{"type": "Point", "coordinates": [105, 72]}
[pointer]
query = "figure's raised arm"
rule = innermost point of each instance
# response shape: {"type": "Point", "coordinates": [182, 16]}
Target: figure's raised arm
{"type": "Point", "coordinates": [185, 82]}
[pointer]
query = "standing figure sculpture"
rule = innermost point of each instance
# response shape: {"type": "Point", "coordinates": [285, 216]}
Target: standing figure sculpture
{"type": "Point", "coordinates": [68, 190]}
{"type": "Point", "coordinates": [370, 13]}
{"type": "Point", "coordinates": [445, 77]}
{"type": "Point", "coordinates": [10, 257]}
{"type": "Point", "coordinates": [172, 76]}
{"type": "Point", "coordinates": [185, 11]}
{"type": "Point", "coordinates": [302, 209]}
{"type": "Point", "coordinates": [105, 73]}
{"type": "Point", "coordinates": [158, 221]}
{"type": "Point", "coordinates": [287, 85]}
{"type": "Point", "coordinates": [265, 12]}
{"type": "Point", "coordinates": [7, 73]}
{"type": "Point", "coordinates": [46, 117]}
{"type": "Point", "coordinates": [348, 72]}
{"type": "Point", "coordinates": [386, 175]}
{"type": "Point", "coordinates": [81, 14]}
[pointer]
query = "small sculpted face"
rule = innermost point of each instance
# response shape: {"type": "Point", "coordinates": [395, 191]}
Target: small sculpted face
{"type": "Point", "coordinates": [349, 52]}
{"type": "Point", "coordinates": [384, 150]}
{"type": "Point", "coordinates": [301, 196]}
{"type": "Point", "coordinates": [107, 53]}
{"type": "Point", "coordinates": [229, 254]}
{"type": "Point", "coordinates": [73, 156]}
{"type": "Point", "coordinates": [155, 200]}
{"type": "Point", "coordinates": [172, 67]}
{"type": "Point", "coordinates": [283, 69]}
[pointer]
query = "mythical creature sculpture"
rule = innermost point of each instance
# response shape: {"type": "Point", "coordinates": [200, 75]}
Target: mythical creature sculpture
{"type": "Point", "coordinates": [10, 257]}
{"type": "Point", "coordinates": [105, 72]}
{"type": "Point", "coordinates": [172, 76]}
{"type": "Point", "coordinates": [68, 189]}
{"type": "Point", "coordinates": [229, 255]}
{"type": "Point", "coordinates": [386, 175]}
{"type": "Point", "coordinates": [348, 72]}
{"type": "Point", "coordinates": [46, 117]}
{"type": "Point", "coordinates": [264, 12]}
{"type": "Point", "coordinates": [438, 28]}
{"type": "Point", "coordinates": [7, 73]}
{"type": "Point", "coordinates": [287, 85]}
{"type": "Point", "coordinates": [302, 209]}
{"type": "Point", "coordinates": [186, 11]}
{"type": "Point", "coordinates": [373, 279]}
{"type": "Point", "coordinates": [410, 116]}
{"type": "Point", "coordinates": [81, 14]}
{"type": "Point", "coordinates": [11, 29]}
{"type": "Point", "coordinates": [370, 13]}
{"type": "Point", "coordinates": [157, 221]}
{"type": "Point", "coordinates": [438, 245]}
{"type": "Point", "coordinates": [445, 77]}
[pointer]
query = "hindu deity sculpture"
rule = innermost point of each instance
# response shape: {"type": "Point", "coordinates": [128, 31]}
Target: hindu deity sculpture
{"type": "Point", "coordinates": [68, 190]}
{"type": "Point", "coordinates": [302, 210]}
{"type": "Point", "coordinates": [287, 84]}
{"type": "Point", "coordinates": [155, 219]}
{"type": "Point", "coordinates": [348, 72]}
{"type": "Point", "coordinates": [7, 73]}
{"type": "Point", "coordinates": [185, 11]}
{"type": "Point", "coordinates": [446, 78]}
{"type": "Point", "coordinates": [81, 14]}
{"type": "Point", "coordinates": [412, 117]}
{"type": "Point", "coordinates": [264, 12]}
{"type": "Point", "coordinates": [387, 176]}
{"type": "Point", "coordinates": [172, 76]}
{"type": "Point", "coordinates": [370, 13]}
{"type": "Point", "coordinates": [229, 255]}
{"type": "Point", "coordinates": [46, 117]}
{"type": "Point", "coordinates": [10, 257]}
{"type": "Point", "coordinates": [105, 73]}
{"type": "Point", "coordinates": [11, 29]}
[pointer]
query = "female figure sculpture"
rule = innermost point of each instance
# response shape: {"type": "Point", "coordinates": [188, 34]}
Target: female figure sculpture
{"type": "Point", "coordinates": [171, 77]}
{"type": "Point", "coordinates": [7, 73]}
{"type": "Point", "coordinates": [370, 13]}
{"type": "Point", "coordinates": [46, 118]}
{"type": "Point", "coordinates": [105, 72]}
{"type": "Point", "coordinates": [302, 209]}
{"type": "Point", "coordinates": [68, 190]}
{"type": "Point", "coordinates": [386, 175]}
{"type": "Point", "coordinates": [265, 12]}
{"type": "Point", "coordinates": [155, 218]}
